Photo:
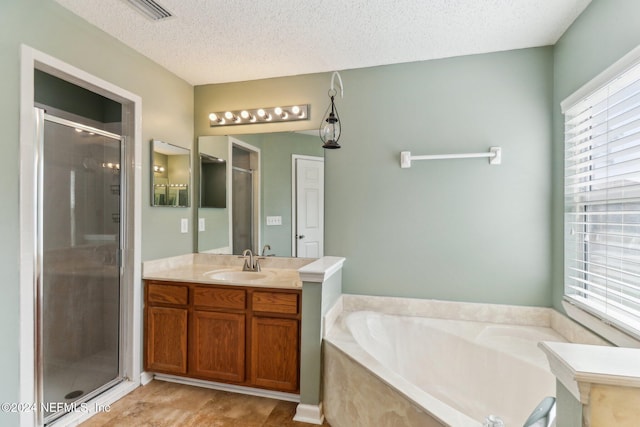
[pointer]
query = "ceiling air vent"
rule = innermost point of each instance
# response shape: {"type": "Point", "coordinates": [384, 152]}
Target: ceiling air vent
{"type": "Point", "coordinates": [150, 9]}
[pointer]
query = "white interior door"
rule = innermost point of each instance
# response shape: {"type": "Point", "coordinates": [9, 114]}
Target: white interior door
{"type": "Point", "coordinates": [309, 206]}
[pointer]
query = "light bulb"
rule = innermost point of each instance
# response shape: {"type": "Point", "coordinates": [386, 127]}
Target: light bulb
{"type": "Point", "coordinates": [244, 114]}
{"type": "Point", "coordinates": [228, 115]}
{"type": "Point", "coordinates": [213, 117]}
{"type": "Point", "coordinates": [261, 113]}
{"type": "Point", "coordinates": [278, 111]}
{"type": "Point", "coordinates": [295, 109]}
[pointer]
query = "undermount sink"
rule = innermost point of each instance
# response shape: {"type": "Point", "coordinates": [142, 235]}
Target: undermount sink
{"type": "Point", "coordinates": [238, 276]}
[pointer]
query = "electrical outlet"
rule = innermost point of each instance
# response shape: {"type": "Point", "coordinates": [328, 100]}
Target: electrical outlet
{"type": "Point", "coordinates": [201, 226]}
{"type": "Point", "coordinates": [184, 225]}
{"type": "Point", "coordinates": [274, 220]}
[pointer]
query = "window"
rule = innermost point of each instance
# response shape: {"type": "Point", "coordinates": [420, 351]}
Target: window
{"type": "Point", "coordinates": [602, 201]}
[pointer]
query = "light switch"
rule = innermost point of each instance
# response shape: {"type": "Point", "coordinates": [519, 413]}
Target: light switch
{"type": "Point", "coordinates": [274, 220]}
{"type": "Point", "coordinates": [201, 226]}
{"type": "Point", "coordinates": [184, 225]}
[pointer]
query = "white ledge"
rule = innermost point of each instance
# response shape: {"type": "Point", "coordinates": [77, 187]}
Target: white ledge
{"type": "Point", "coordinates": [321, 269]}
{"type": "Point", "coordinates": [577, 366]}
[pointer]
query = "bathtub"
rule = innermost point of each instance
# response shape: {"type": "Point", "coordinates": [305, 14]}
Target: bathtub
{"type": "Point", "coordinates": [391, 370]}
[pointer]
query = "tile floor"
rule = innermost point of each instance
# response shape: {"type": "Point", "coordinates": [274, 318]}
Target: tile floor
{"type": "Point", "coordinates": [160, 404]}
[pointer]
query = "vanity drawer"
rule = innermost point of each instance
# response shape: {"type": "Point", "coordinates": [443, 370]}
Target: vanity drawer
{"type": "Point", "coordinates": [167, 294]}
{"type": "Point", "coordinates": [209, 297]}
{"type": "Point", "coordinates": [275, 302]}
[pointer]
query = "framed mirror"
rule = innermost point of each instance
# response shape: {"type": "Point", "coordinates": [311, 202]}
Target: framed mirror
{"type": "Point", "coordinates": [170, 174]}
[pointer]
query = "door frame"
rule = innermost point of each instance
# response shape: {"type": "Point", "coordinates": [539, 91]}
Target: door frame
{"type": "Point", "coordinates": [294, 199]}
{"type": "Point", "coordinates": [131, 339]}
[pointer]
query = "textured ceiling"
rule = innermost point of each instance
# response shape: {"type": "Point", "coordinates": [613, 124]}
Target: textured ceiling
{"type": "Point", "coordinates": [215, 41]}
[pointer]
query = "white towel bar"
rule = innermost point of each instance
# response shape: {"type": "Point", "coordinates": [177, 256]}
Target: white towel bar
{"type": "Point", "coordinates": [494, 155]}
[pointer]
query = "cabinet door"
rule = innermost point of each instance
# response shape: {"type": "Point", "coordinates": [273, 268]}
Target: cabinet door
{"type": "Point", "coordinates": [166, 340]}
{"type": "Point", "coordinates": [275, 353]}
{"type": "Point", "coordinates": [217, 347]}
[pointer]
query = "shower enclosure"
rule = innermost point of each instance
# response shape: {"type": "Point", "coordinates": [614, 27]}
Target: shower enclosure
{"type": "Point", "coordinates": [242, 209]}
{"type": "Point", "coordinates": [243, 199]}
{"type": "Point", "coordinates": [79, 278]}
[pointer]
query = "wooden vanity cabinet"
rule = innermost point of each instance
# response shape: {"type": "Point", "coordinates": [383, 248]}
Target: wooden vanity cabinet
{"type": "Point", "coordinates": [275, 340]}
{"type": "Point", "coordinates": [240, 335]}
{"type": "Point", "coordinates": [166, 316]}
{"type": "Point", "coordinates": [218, 338]}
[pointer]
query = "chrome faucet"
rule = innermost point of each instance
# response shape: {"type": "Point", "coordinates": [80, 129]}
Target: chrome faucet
{"type": "Point", "coordinates": [248, 260]}
{"type": "Point", "coordinates": [251, 263]}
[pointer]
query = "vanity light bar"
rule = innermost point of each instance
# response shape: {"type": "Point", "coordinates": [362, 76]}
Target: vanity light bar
{"type": "Point", "coordinates": [111, 165]}
{"type": "Point", "coordinates": [260, 115]}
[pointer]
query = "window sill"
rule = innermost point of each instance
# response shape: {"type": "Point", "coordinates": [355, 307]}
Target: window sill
{"type": "Point", "coordinates": [605, 330]}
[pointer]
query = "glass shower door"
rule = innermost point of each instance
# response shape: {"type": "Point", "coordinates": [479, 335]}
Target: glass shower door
{"type": "Point", "coordinates": [79, 248]}
{"type": "Point", "coordinates": [242, 202]}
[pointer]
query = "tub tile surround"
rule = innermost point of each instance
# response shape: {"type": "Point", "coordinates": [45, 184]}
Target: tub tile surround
{"type": "Point", "coordinates": [381, 407]}
{"type": "Point", "coordinates": [339, 350]}
{"type": "Point", "coordinates": [492, 313]}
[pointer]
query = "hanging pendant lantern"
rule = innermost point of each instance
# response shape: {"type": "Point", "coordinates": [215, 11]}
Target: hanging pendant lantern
{"type": "Point", "coordinates": [331, 127]}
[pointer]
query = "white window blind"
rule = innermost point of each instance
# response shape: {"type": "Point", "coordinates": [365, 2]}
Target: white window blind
{"type": "Point", "coordinates": [602, 202]}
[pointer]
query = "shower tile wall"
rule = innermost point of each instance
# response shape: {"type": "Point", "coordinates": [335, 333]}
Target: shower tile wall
{"type": "Point", "coordinates": [80, 284]}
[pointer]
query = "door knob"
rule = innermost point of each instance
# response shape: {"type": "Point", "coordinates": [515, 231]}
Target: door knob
{"type": "Point", "coordinates": [301, 236]}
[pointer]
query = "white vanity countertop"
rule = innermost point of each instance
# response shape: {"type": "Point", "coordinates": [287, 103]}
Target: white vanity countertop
{"type": "Point", "coordinates": [220, 270]}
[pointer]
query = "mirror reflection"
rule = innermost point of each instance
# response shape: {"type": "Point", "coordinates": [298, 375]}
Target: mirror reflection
{"type": "Point", "coordinates": [274, 195]}
{"type": "Point", "coordinates": [170, 174]}
{"type": "Point", "coordinates": [213, 182]}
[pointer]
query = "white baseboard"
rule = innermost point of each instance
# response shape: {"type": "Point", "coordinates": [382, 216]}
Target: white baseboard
{"type": "Point", "coordinates": [279, 395]}
{"type": "Point", "coordinates": [146, 378]}
{"type": "Point", "coordinates": [311, 414]}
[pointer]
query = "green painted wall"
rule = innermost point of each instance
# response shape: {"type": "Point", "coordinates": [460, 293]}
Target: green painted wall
{"type": "Point", "coordinates": [453, 230]}
{"type": "Point", "coordinates": [602, 34]}
{"type": "Point", "coordinates": [167, 113]}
